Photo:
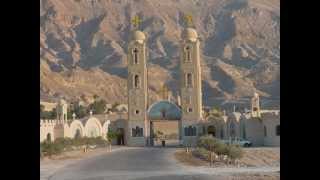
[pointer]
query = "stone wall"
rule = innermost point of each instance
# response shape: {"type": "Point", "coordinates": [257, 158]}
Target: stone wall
{"type": "Point", "coordinates": [270, 121]}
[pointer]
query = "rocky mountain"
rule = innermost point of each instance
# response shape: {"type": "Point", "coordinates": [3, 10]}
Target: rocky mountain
{"type": "Point", "coordinates": [83, 45]}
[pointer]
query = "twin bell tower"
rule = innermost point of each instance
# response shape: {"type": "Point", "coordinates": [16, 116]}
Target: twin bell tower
{"type": "Point", "coordinates": [138, 126]}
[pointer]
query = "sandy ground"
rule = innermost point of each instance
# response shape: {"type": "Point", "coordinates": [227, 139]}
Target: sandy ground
{"type": "Point", "coordinates": [257, 157]}
{"type": "Point", "coordinates": [48, 166]}
{"type": "Point", "coordinates": [256, 164]}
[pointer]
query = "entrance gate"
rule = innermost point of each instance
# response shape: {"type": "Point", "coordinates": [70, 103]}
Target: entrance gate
{"type": "Point", "coordinates": [164, 119]}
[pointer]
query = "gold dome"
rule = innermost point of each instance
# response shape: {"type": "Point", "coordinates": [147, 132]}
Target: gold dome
{"type": "Point", "coordinates": [190, 34]}
{"type": "Point", "coordinates": [138, 35]}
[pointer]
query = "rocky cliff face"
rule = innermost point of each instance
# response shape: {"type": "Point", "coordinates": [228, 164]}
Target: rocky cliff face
{"type": "Point", "coordinates": [83, 46]}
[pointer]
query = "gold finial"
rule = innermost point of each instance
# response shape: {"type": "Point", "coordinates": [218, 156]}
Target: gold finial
{"type": "Point", "coordinates": [188, 19]}
{"type": "Point", "coordinates": [136, 21]}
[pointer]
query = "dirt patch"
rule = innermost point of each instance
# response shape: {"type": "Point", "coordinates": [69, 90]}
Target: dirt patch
{"type": "Point", "coordinates": [256, 157]}
{"type": "Point", "coordinates": [188, 159]}
{"type": "Point", "coordinates": [252, 157]}
{"type": "Point", "coordinates": [76, 154]}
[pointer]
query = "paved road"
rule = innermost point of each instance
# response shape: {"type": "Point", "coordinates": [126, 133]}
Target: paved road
{"type": "Point", "coordinates": [133, 164]}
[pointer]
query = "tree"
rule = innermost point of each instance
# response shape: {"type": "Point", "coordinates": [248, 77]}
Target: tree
{"type": "Point", "coordinates": [95, 97]}
{"type": "Point", "coordinates": [159, 135]}
{"type": "Point", "coordinates": [53, 114]}
{"type": "Point", "coordinates": [98, 106]}
{"type": "Point", "coordinates": [41, 110]}
{"type": "Point", "coordinates": [80, 111]}
{"type": "Point", "coordinates": [111, 135]}
{"type": "Point", "coordinates": [215, 114]}
{"type": "Point", "coordinates": [234, 152]}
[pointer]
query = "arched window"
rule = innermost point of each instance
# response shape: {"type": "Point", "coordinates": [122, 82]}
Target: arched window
{"type": "Point", "coordinates": [78, 134]}
{"type": "Point", "coordinates": [243, 131]}
{"type": "Point", "coordinates": [190, 131]}
{"type": "Point", "coordinates": [135, 56]}
{"type": "Point", "coordinates": [278, 130]}
{"type": "Point", "coordinates": [221, 134]}
{"type": "Point", "coordinates": [232, 129]}
{"type": "Point", "coordinates": [187, 54]}
{"type": "Point", "coordinates": [189, 80]}
{"type": "Point", "coordinates": [265, 131]}
{"type": "Point", "coordinates": [137, 132]}
{"type": "Point", "coordinates": [136, 81]}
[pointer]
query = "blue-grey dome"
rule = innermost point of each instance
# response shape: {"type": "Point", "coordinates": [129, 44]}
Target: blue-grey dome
{"type": "Point", "coordinates": [164, 110]}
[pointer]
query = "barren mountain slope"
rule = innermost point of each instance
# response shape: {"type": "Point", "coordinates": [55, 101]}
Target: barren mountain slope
{"type": "Point", "coordinates": [83, 46]}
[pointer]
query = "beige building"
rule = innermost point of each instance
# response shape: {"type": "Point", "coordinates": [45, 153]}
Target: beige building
{"type": "Point", "coordinates": [92, 126]}
{"type": "Point", "coordinates": [48, 106]}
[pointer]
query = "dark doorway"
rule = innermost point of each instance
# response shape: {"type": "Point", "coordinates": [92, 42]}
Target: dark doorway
{"type": "Point", "coordinates": [212, 131]}
{"type": "Point", "coordinates": [120, 138]}
{"type": "Point", "coordinates": [152, 134]}
{"type": "Point", "coordinates": [49, 137]}
{"type": "Point", "coordinates": [78, 134]}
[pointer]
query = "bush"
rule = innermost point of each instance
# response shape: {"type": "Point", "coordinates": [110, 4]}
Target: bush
{"type": "Point", "coordinates": [49, 148]}
{"type": "Point", "coordinates": [202, 153]}
{"type": "Point", "coordinates": [221, 149]}
{"type": "Point", "coordinates": [234, 152]}
{"type": "Point", "coordinates": [209, 143]}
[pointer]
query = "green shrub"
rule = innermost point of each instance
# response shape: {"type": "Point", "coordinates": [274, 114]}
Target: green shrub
{"type": "Point", "coordinates": [49, 148]}
{"type": "Point", "coordinates": [209, 143]}
{"type": "Point", "coordinates": [234, 152]}
{"type": "Point", "coordinates": [202, 153]}
{"type": "Point", "coordinates": [61, 144]}
{"type": "Point", "coordinates": [221, 149]}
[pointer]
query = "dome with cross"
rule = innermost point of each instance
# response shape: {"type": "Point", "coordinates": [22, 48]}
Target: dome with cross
{"type": "Point", "coordinates": [189, 34]}
{"type": "Point", "coordinates": [138, 36]}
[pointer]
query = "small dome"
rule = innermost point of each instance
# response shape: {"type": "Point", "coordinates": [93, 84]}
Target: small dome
{"type": "Point", "coordinates": [138, 35]}
{"type": "Point", "coordinates": [189, 33]}
{"type": "Point", "coordinates": [164, 110]}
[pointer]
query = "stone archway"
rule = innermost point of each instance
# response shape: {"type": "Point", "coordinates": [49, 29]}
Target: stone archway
{"type": "Point", "coordinates": [164, 121]}
{"type": "Point", "coordinates": [120, 137]}
{"type": "Point", "coordinates": [93, 127]}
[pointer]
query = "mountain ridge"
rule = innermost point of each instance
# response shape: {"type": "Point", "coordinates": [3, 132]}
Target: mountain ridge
{"type": "Point", "coordinates": [87, 40]}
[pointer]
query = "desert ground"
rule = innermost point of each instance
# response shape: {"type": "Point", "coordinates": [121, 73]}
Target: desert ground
{"type": "Point", "coordinates": [128, 163]}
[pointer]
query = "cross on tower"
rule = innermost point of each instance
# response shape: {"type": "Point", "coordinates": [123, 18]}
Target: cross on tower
{"type": "Point", "coordinates": [188, 20]}
{"type": "Point", "coordinates": [136, 21]}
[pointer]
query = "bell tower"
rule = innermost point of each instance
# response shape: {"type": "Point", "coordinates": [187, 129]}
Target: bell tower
{"type": "Point", "coordinates": [62, 111]}
{"type": "Point", "coordinates": [255, 105]}
{"type": "Point", "coordinates": [137, 127]}
{"type": "Point", "coordinates": [190, 85]}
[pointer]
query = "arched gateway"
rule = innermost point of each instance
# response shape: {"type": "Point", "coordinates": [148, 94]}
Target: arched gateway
{"type": "Point", "coordinates": [164, 118]}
